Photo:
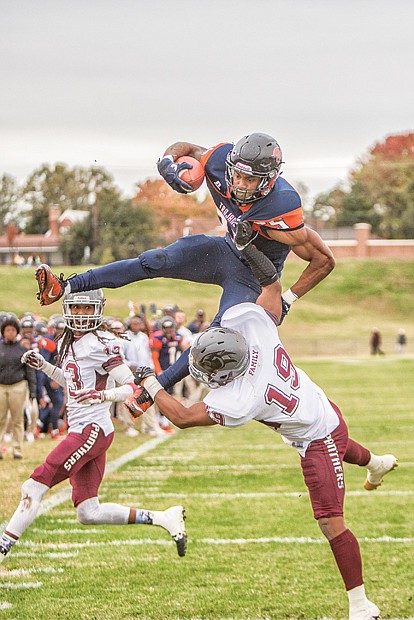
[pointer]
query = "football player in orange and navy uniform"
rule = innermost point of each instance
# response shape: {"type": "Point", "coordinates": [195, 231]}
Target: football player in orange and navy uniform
{"type": "Point", "coordinates": [245, 184]}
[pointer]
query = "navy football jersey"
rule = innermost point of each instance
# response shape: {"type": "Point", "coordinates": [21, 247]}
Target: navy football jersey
{"type": "Point", "coordinates": [281, 209]}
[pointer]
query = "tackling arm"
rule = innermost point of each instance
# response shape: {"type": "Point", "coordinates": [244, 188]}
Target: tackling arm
{"type": "Point", "coordinates": [181, 416]}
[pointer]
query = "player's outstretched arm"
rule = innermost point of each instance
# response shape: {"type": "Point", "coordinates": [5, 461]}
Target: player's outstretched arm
{"type": "Point", "coordinates": [183, 417]}
{"type": "Point", "coordinates": [308, 245]}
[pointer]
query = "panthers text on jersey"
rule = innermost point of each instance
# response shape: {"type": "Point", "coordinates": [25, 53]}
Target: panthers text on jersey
{"type": "Point", "coordinates": [281, 209]}
{"type": "Point", "coordinates": [87, 368]}
{"type": "Point", "coordinates": [272, 390]}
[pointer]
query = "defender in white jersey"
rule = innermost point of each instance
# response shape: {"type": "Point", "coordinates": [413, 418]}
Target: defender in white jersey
{"type": "Point", "coordinates": [91, 364]}
{"type": "Point", "coordinates": [253, 378]}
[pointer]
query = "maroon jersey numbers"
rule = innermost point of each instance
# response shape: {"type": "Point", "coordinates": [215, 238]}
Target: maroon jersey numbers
{"type": "Point", "coordinates": [282, 394]}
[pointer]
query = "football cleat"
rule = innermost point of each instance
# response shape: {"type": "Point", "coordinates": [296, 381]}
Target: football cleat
{"type": "Point", "coordinates": [370, 612]}
{"type": "Point", "coordinates": [172, 520]}
{"type": "Point", "coordinates": [51, 287]}
{"type": "Point", "coordinates": [139, 402]}
{"type": "Point", "coordinates": [375, 475]}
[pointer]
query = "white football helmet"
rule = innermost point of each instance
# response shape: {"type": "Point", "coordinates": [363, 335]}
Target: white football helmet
{"type": "Point", "coordinates": [84, 322]}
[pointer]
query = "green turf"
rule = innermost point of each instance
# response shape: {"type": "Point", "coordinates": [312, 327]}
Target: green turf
{"type": "Point", "coordinates": [237, 485]}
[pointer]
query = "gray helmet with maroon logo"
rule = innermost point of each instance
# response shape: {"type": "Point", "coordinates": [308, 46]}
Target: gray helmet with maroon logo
{"type": "Point", "coordinates": [218, 356]}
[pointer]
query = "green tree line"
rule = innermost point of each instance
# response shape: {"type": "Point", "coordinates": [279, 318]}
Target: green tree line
{"type": "Point", "coordinates": [380, 191]}
{"type": "Point", "coordinates": [114, 228]}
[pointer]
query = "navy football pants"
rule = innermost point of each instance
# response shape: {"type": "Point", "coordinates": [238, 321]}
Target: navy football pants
{"type": "Point", "coordinates": [197, 258]}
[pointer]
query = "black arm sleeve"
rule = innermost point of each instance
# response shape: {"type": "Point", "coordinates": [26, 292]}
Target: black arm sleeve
{"type": "Point", "coordinates": [262, 267]}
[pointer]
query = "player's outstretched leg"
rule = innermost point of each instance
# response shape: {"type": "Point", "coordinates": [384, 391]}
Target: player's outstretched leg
{"type": "Point", "coordinates": [378, 467]}
{"type": "Point", "coordinates": [51, 287]}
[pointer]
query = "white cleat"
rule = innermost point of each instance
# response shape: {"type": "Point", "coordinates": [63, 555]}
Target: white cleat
{"type": "Point", "coordinates": [172, 520]}
{"type": "Point", "coordinates": [375, 475]}
{"type": "Point", "coordinates": [370, 612]}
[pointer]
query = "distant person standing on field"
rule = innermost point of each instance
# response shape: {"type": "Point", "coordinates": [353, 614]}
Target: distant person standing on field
{"type": "Point", "coordinates": [401, 343]}
{"type": "Point", "coordinates": [375, 342]}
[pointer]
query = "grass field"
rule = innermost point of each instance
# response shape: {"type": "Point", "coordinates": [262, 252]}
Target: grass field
{"type": "Point", "coordinates": [254, 549]}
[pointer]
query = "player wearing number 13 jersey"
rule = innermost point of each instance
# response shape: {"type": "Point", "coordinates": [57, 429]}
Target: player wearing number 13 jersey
{"type": "Point", "coordinates": [92, 363]}
{"type": "Point", "coordinates": [253, 378]}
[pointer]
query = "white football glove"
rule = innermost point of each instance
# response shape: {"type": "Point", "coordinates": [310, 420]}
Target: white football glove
{"type": "Point", "coordinates": [89, 397]}
{"type": "Point", "coordinates": [34, 359]}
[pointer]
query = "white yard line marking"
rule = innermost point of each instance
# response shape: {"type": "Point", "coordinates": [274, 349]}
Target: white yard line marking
{"type": "Point", "coordinates": [65, 494]}
{"type": "Point", "coordinates": [5, 605]}
{"type": "Point", "coordinates": [9, 585]}
{"type": "Point", "coordinates": [288, 540]}
{"type": "Point", "coordinates": [52, 555]}
{"type": "Point", "coordinates": [20, 572]}
{"type": "Point", "coordinates": [64, 532]}
{"type": "Point", "coordinates": [366, 494]}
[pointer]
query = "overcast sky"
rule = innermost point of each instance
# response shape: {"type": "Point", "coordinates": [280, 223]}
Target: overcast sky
{"type": "Point", "coordinates": [116, 81]}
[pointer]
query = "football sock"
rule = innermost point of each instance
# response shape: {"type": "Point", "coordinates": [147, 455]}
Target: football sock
{"type": "Point", "coordinates": [356, 454]}
{"type": "Point", "coordinates": [345, 548]}
{"type": "Point", "coordinates": [144, 517]}
{"type": "Point", "coordinates": [374, 461]}
{"type": "Point", "coordinates": [357, 599]}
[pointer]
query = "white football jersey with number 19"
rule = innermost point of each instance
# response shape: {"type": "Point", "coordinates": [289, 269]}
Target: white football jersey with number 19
{"type": "Point", "coordinates": [272, 390]}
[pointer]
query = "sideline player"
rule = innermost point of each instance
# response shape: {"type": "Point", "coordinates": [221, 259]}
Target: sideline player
{"type": "Point", "coordinates": [253, 378]}
{"type": "Point", "coordinates": [92, 362]}
{"type": "Point", "coordinates": [245, 183]}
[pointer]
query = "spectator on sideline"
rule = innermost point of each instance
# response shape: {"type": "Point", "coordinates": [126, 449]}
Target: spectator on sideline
{"type": "Point", "coordinates": [376, 342]}
{"type": "Point", "coordinates": [401, 342]}
{"type": "Point", "coordinates": [138, 353]}
{"type": "Point", "coordinates": [199, 323]}
{"type": "Point", "coordinates": [15, 380]}
{"type": "Point", "coordinates": [166, 344]}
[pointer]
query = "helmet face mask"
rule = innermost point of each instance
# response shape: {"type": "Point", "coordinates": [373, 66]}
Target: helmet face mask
{"type": "Point", "coordinates": [257, 155]}
{"type": "Point", "coordinates": [84, 322]}
{"type": "Point", "coordinates": [218, 356]}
